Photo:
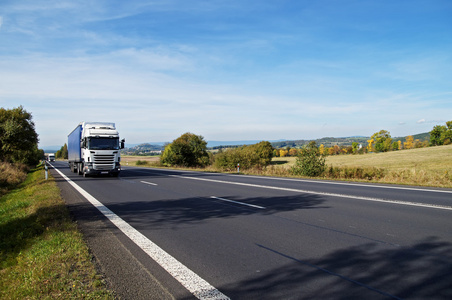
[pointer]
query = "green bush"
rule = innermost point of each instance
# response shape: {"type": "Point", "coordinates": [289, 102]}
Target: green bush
{"type": "Point", "coordinates": [141, 163]}
{"type": "Point", "coordinates": [310, 162]}
{"type": "Point", "coordinates": [258, 155]}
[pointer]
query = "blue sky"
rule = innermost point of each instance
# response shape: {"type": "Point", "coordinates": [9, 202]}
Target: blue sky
{"type": "Point", "coordinates": [228, 70]}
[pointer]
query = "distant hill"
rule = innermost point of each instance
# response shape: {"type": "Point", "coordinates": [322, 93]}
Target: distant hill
{"type": "Point", "coordinates": [143, 149]}
{"type": "Point", "coordinates": [326, 141]}
{"type": "Point", "coordinates": [219, 144]}
{"type": "Point", "coordinates": [343, 141]}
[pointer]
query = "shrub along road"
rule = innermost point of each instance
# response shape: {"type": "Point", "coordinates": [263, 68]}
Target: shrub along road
{"type": "Point", "coordinates": [264, 238]}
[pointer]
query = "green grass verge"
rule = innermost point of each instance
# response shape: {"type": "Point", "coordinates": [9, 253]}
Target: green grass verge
{"type": "Point", "coordinates": [42, 254]}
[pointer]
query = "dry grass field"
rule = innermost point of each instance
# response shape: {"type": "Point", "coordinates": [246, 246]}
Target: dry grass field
{"type": "Point", "coordinates": [431, 159]}
{"type": "Point", "coordinates": [131, 160]}
{"type": "Point", "coordinates": [430, 166]}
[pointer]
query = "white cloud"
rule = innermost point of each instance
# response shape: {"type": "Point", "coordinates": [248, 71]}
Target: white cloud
{"type": "Point", "coordinates": [161, 68]}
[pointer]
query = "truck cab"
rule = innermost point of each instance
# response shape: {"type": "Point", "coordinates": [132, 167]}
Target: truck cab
{"type": "Point", "coordinates": [96, 150]}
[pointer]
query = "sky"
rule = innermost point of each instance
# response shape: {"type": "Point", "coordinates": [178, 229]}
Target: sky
{"type": "Point", "coordinates": [228, 70]}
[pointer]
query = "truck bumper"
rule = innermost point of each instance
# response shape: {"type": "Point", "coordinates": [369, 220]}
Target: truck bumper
{"type": "Point", "coordinates": [91, 171]}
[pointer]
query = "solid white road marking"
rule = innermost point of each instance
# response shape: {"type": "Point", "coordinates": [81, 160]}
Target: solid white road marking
{"type": "Point", "coordinates": [150, 183]}
{"type": "Point", "coordinates": [444, 207]}
{"type": "Point", "coordinates": [237, 202]}
{"type": "Point", "coordinates": [189, 279]}
{"type": "Point", "coordinates": [351, 184]}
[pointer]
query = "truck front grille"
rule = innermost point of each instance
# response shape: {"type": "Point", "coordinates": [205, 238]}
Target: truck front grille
{"type": "Point", "coordinates": [104, 162]}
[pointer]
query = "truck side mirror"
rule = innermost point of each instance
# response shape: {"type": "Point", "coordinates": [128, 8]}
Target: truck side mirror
{"type": "Point", "coordinates": [122, 143]}
{"type": "Point", "coordinates": [83, 143]}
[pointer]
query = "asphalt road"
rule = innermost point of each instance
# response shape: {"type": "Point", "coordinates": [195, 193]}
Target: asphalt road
{"type": "Point", "coordinates": [252, 237]}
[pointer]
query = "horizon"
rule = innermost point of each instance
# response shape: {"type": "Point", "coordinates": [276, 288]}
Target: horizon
{"type": "Point", "coordinates": [239, 142]}
{"type": "Point", "coordinates": [228, 70]}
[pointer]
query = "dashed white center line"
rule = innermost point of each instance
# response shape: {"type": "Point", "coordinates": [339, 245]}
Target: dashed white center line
{"type": "Point", "coordinates": [237, 202]}
{"type": "Point", "coordinates": [150, 183]}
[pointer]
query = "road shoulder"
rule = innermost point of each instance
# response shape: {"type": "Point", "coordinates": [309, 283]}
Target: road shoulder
{"type": "Point", "coordinates": [125, 274]}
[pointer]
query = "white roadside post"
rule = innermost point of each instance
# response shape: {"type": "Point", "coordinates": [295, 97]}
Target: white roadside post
{"type": "Point", "coordinates": [238, 168]}
{"type": "Point", "coordinates": [47, 171]}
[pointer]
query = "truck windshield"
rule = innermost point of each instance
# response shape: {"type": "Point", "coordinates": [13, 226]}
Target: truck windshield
{"type": "Point", "coordinates": [103, 143]}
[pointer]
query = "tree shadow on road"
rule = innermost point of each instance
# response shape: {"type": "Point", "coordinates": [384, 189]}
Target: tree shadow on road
{"type": "Point", "coordinates": [368, 271]}
{"type": "Point", "coordinates": [198, 209]}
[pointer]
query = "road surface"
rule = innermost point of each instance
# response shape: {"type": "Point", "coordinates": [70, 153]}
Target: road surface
{"type": "Point", "coordinates": [249, 237]}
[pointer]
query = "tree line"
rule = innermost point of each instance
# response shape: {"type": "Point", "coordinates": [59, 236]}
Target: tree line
{"type": "Point", "coordinates": [190, 150]}
{"type": "Point", "coordinates": [18, 137]}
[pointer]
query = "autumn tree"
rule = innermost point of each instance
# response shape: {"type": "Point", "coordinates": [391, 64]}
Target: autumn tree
{"type": "Point", "coordinates": [370, 145]}
{"type": "Point", "coordinates": [409, 142]}
{"type": "Point", "coordinates": [382, 140]}
{"type": "Point", "coordinates": [293, 152]}
{"type": "Point", "coordinates": [283, 152]}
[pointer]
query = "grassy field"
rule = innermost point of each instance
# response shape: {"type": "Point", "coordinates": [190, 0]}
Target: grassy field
{"type": "Point", "coordinates": [42, 254]}
{"type": "Point", "coordinates": [430, 166]}
{"type": "Point", "coordinates": [438, 159]}
{"type": "Point", "coordinates": [431, 159]}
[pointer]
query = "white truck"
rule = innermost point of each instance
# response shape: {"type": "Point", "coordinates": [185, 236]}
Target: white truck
{"type": "Point", "coordinates": [50, 156]}
{"type": "Point", "coordinates": [94, 148]}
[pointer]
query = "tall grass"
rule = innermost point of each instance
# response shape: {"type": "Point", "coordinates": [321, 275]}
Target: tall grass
{"type": "Point", "coordinates": [11, 175]}
{"type": "Point", "coordinates": [42, 254]}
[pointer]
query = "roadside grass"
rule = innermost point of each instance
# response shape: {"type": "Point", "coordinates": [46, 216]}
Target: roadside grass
{"type": "Point", "coordinates": [42, 254]}
{"type": "Point", "coordinates": [431, 166]}
{"type": "Point", "coordinates": [11, 175]}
